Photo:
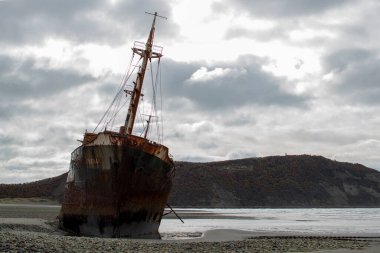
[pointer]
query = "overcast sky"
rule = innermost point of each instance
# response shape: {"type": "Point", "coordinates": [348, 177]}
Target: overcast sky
{"type": "Point", "coordinates": [239, 78]}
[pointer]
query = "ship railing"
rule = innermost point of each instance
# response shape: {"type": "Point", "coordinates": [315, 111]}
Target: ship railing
{"type": "Point", "coordinates": [140, 46]}
{"type": "Point", "coordinates": [157, 49]}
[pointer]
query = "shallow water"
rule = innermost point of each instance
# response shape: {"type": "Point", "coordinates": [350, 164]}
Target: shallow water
{"type": "Point", "coordinates": [308, 221]}
{"type": "Point", "coordinates": [302, 221]}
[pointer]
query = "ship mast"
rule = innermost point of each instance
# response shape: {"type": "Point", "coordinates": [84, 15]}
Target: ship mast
{"type": "Point", "coordinates": [146, 53]}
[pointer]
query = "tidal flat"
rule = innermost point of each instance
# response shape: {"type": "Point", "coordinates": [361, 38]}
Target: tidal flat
{"type": "Point", "coordinates": [33, 228]}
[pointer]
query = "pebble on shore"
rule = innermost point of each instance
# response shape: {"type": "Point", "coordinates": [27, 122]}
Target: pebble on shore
{"type": "Point", "coordinates": [24, 238]}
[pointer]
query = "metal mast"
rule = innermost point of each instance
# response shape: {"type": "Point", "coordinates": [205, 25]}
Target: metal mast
{"type": "Point", "coordinates": [146, 53]}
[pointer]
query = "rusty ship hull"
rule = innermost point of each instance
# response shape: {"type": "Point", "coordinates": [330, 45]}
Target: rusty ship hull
{"type": "Point", "coordinates": [118, 186]}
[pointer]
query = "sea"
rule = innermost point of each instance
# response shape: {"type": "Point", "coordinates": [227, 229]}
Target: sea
{"type": "Point", "coordinates": [301, 221]}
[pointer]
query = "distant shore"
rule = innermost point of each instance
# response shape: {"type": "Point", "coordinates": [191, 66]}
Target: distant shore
{"type": "Point", "coordinates": [34, 229]}
{"type": "Point", "coordinates": [29, 201]}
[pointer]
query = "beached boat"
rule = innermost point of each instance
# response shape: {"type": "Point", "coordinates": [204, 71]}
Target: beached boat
{"type": "Point", "coordinates": [118, 183]}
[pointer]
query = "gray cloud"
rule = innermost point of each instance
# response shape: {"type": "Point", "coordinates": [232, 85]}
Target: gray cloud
{"type": "Point", "coordinates": [326, 136]}
{"type": "Point", "coordinates": [322, 18]}
{"type": "Point", "coordinates": [38, 108]}
{"type": "Point", "coordinates": [356, 75]}
{"type": "Point", "coordinates": [21, 79]}
{"type": "Point", "coordinates": [280, 8]}
{"type": "Point", "coordinates": [24, 21]}
{"type": "Point", "coordinates": [279, 31]}
{"type": "Point", "coordinates": [341, 60]}
{"type": "Point", "coordinates": [242, 83]}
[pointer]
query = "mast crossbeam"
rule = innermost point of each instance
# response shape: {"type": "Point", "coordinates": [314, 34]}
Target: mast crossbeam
{"type": "Point", "coordinates": [147, 51]}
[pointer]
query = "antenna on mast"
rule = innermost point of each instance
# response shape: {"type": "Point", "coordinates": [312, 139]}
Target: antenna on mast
{"type": "Point", "coordinates": [156, 15]}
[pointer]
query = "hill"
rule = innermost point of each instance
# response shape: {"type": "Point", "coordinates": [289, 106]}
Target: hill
{"type": "Point", "coordinates": [51, 188]}
{"type": "Point", "coordinates": [277, 181]}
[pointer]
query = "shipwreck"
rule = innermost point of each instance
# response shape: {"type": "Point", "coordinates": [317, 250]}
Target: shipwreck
{"type": "Point", "coordinates": [119, 182]}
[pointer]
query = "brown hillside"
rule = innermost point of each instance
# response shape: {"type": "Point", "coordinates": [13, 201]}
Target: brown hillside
{"type": "Point", "coordinates": [278, 181]}
{"type": "Point", "coordinates": [47, 188]}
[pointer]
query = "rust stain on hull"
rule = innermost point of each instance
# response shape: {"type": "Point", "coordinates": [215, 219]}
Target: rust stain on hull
{"type": "Point", "coordinates": [117, 186]}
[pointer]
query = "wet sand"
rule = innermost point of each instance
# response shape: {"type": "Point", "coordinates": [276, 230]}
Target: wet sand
{"type": "Point", "coordinates": [33, 228]}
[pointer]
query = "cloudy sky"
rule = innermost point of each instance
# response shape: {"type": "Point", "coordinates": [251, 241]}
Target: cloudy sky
{"type": "Point", "coordinates": [239, 78]}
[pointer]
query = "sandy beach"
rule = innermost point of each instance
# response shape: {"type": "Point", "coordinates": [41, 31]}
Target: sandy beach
{"type": "Point", "coordinates": [33, 228]}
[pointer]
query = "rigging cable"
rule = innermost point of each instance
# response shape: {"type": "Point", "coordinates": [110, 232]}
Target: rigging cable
{"type": "Point", "coordinates": [156, 84]}
{"type": "Point", "coordinates": [154, 102]}
{"type": "Point", "coordinates": [117, 108]}
{"type": "Point", "coordinates": [162, 116]}
{"type": "Point", "coordinates": [117, 96]}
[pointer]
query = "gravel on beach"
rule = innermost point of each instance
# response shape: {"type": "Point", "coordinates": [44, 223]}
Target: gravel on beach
{"type": "Point", "coordinates": [31, 238]}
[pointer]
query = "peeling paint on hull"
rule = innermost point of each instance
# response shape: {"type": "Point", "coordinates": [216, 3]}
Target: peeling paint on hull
{"type": "Point", "coordinates": [117, 186]}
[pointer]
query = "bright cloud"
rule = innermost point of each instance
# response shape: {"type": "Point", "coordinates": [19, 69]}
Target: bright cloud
{"type": "Point", "coordinates": [204, 75]}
